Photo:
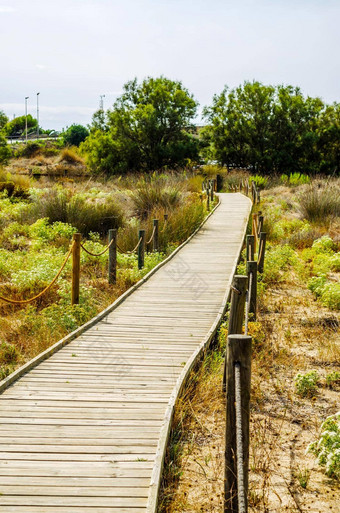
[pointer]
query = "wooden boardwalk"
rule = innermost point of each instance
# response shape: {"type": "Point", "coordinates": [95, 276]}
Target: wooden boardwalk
{"type": "Point", "coordinates": [84, 431]}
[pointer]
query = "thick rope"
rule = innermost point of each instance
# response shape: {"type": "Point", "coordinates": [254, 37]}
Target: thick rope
{"type": "Point", "coordinates": [129, 252]}
{"type": "Point", "coordinates": [97, 254]}
{"type": "Point", "coordinates": [164, 226]}
{"type": "Point", "coordinates": [239, 442]}
{"type": "Point", "coordinates": [25, 301]}
{"type": "Point", "coordinates": [248, 296]}
{"type": "Point", "coordinates": [152, 235]}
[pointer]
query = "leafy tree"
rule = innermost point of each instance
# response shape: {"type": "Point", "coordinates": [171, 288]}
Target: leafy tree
{"type": "Point", "coordinates": [329, 139]}
{"type": "Point", "coordinates": [267, 128]}
{"type": "Point", "coordinates": [75, 135]}
{"type": "Point", "coordinates": [3, 119]}
{"type": "Point", "coordinates": [5, 151]}
{"type": "Point", "coordinates": [149, 127]}
{"type": "Point", "coordinates": [17, 126]}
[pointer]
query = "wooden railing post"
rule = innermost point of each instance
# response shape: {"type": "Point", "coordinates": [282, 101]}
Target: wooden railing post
{"type": "Point", "coordinates": [75, 269]}
{"type": "Point", "coordinates": [212, 190]}
{"type": "Point", "coordinates": [155, 242]}
{"type": "Point", "coordinates": [236, 313]}
{"type": "Point", "coordinates": [141, 249]}
{"type": "Point", "coordinates": [262, 249]}
{"type": "Point", "coordinates": [238, 352]}
{"type": "Point", "coordinates": [208, 200]}
{"type": "Point", "coordinates": [252, 280]}
{"type": "Point", "coordinates": [113, 256]}
{"type": "Point", "coordinates": [254, 228]}
{"type": "Point", "coordinates": [250, 247]}
{"type": "Point", "coordinates": [260, 223]}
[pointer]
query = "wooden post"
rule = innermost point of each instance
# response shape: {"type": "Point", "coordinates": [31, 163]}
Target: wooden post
{"type": "Point", "coordinates": [236, 312]}
{"type": "Point", "coordinates": [252, 284]}
{"type": "Point", "coordinates": [254, 228]}
{"type": "Point", "coordinates": [250, 240]}
{"type": "Point", "coordinates": [262, 249]}
{"type": "Point", "coordinates": [141, 249]}
{"type": "Point", "coordinates": [212, 190]}
{"type": "Point", "coordinates": [260, 223]}
{"type": "Point", "coordinates": [155, 242]}
{"type": "Point", "coordinates": [113, 256]}
{"type": "Point", "coordinates": [208, 200]}
{"type": "Point", "coordinates": [75, 269]}
{"type": "Point", "coordinates": [238, 352]}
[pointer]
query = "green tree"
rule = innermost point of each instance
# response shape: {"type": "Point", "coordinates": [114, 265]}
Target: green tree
{"type": "Point", "coordinates": [75, 135]}
{"type": "Point", "coordinates": [3, 119]}
{"type": "Point", "coordinates": [266, 128]}
{"type": "Point", "coordinates": [5, 151]}
{"type": "Point", "coordinates": [149, 127]}
{"type": "Point", "coordinates": [17, 126]}
{"type": "Point", "coordinates": [329, 139]}
{"type": "Point", "coordinates": [240, 125]}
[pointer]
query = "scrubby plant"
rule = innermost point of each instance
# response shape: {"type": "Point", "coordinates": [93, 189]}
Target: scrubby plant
{"type": "Point", "coordinates": [70, 156]}
{"type": "Point", "coordinates": [306, 384]}
{"type": "Point", "coordinates": [333, 379]}
{"type": "Point", "coordinates": [278, 260]}
{"type": "Point", "coordinates": [327, 447]}
{"type": "Point", "coordinates": [154, 194]}
{"type": "Point", "coordinates": [260, 181]}
{"type": "Point", "coordinates": [320, 204]}
{"type": "Point", "coordinates": [295, 179]}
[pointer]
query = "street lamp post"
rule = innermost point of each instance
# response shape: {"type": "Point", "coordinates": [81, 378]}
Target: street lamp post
{"type": "Point", "coordinates": [38, 115]}
{"type": "Point", "coordinates": [101, 103]}
{"type": "Point", "coordinates": [26, 98]}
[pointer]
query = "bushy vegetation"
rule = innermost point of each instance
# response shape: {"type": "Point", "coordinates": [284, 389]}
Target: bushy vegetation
{"type": "Point", "coordinates": [273, 130]}
{"type": "Point", "coordinates": [148, 128]}
{"type": "Point", "coordinates": [306, 384]}
{"type": "Point", "coordinates": [75, 135]}
{"type": "Point", "coordinates": [327, 447]}
{"type": "Point", "coordinates": [320, 202]}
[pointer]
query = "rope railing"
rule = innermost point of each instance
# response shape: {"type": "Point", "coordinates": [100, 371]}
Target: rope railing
{"type": "Point", "coordinates": [152, 235]}
{"type": "Point", "coordinates": [26, 301]}
{"type": "Point", "coordinates": [237, 377]}
{"type": "Point", "coordinates": [132, 251]}
{"type": "Point", "coordinates": [97, 254]}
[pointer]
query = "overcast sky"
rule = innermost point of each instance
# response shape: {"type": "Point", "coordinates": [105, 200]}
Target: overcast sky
{"type": "Point", "coordinates": [71, 51]}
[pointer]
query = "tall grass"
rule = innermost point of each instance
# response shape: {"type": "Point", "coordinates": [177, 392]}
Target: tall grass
{"type": "Point", "coordinates": [86, 214]}
{"type": "Point", "coordinates": [155, 194]}
{"type": "Point", "coordinates": [320, 204]}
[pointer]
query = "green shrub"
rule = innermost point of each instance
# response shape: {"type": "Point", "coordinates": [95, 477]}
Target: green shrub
{"type": "Point", "coordinates": [82, 211]}
{"type": "Point", "coordinates": [327, 447]}
{"type": "Point", "coordinates": [295, 179]}
{"type": "Point", "coordinates": [333, 379]}
{"type": "Point", "coordinates": [5, 150]}
{"type": "Point", "coordinates": [260, 181]}
{"type": "Point", "coordinates": [306, 384]}
{"type": "Point", "coordinates": [278, 260]}
{"type": "Point", "coordinates": [93, 216]}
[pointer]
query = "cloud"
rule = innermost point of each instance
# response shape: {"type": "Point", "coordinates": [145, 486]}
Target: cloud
{"type": "Point", "coordinates": [6, 9]}
{"type": "Point", "coordinates": [41, 66]}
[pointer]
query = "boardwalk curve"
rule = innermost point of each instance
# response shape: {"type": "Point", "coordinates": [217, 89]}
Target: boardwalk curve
{"type": "Point", "coordinates": [85, 429]}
